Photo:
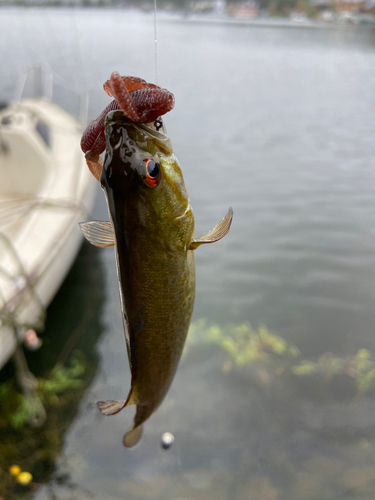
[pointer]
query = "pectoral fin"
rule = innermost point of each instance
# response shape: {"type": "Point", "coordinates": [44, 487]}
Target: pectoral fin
{"type": "Point", "coordinates": [216, 233]}
{"type": "Point", "coordinates": [98, 233]}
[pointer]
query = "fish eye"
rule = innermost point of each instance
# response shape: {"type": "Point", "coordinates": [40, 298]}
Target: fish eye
{"type": "Point", "coordinates": [152, 172]}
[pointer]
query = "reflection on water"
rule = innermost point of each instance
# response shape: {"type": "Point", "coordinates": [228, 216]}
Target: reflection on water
{"type": "Point", "coordinates": [279, 124]}
{"type": "Point", "coordinates": [65, 366]}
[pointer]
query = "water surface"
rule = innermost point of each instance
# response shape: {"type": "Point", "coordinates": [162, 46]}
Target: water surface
{"type": "Point", "coordinates": [278, 123]}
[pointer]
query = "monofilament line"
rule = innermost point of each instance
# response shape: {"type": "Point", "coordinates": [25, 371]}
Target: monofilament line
{"type": "Point", "coordinates": [156, 41]}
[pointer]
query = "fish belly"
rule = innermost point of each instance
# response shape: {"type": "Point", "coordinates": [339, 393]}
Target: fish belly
{"type": "Point", "coordinates": [159, 307]}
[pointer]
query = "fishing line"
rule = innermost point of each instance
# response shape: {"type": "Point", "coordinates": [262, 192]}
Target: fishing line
{"type": "Point", "coordinates": [79, 66]}
{"type": "Point", "coordinates": [156, 41]}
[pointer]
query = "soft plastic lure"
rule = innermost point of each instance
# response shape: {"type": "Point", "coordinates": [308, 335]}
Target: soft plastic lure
{"type": "Point", "coordinates": [140, 101]}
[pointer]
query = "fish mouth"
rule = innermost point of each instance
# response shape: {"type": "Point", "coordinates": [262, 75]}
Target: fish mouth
{"type": "Point", "coordinates": [143, 135]}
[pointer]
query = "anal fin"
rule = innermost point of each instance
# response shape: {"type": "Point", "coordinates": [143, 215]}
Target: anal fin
{"type": "Point", "coordinates": [216, 234]}
{"type": "Point", "coordinates": [111, 407]}
{"type": "Point", "coordinates": [98, 233]}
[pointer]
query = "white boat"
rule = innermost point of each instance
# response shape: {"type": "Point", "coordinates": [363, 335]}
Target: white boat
{"type": "Point", "coordinates": [45, 190]}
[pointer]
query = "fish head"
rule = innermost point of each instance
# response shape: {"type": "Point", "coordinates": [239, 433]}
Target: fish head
{"type": "Point", "coordinates": [142, 179]}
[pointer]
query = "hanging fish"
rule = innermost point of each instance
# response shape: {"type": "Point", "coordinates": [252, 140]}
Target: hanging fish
{"type": "Point", "coordinates": [152, 227]}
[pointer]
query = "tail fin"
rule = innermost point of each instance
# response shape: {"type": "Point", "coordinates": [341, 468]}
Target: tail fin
{"type": "Point", "coordinates": [110, 407]}
{"type": "Point", "coordinates": [133, 436]}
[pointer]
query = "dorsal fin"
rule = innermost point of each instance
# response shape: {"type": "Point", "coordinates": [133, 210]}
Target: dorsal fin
{"type": "Point", "coordinates": [216, 233]}
{"type": "Point", "coordinates": [98, 233]}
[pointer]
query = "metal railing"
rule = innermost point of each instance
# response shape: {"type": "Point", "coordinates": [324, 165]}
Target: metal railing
{"type": "Point", "coordinates": [47, 79]}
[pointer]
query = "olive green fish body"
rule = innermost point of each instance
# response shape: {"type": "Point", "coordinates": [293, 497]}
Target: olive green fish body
{"type": "Point", "coordinates": [152, 228]}
{"type": "Point", "coordinates": [157, 282]}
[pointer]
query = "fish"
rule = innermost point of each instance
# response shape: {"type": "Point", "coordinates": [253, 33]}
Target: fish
{"type": "Point", "coordinates": [152, 230]}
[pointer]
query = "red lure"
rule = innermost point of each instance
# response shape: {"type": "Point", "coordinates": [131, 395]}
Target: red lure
{"type": "Point", "coordinates": [140, 101]}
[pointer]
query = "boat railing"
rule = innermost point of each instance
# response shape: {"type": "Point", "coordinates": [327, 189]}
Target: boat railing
{"type": "Point", "coordinates": [48, 78]}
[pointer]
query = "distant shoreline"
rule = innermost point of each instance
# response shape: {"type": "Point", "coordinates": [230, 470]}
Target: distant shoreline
{"type": "Point", "coordinates": [277, 22]}
{"type": "Point", "coordinates": [186, 18]}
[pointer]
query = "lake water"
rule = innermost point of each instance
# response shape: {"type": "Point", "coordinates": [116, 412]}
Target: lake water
{"type": "Point", "coordinates": [278, 123]}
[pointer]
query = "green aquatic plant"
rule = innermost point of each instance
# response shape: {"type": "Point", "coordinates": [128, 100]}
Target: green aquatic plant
{"type": "Point", "coordinates": [63, 378]}
{"type": "Point", "coordinates": [18, 409]}
{"type": "Point", "coordinates": [360, 367]}
{"type": "Point", "coordinates": [259, 347]}
{"type": "Point", "coordinates": [327, 364]}
{"type": "Point", "coordinates": [28, 454]}
{"type": "Point", "coordinates": [244, 344]}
